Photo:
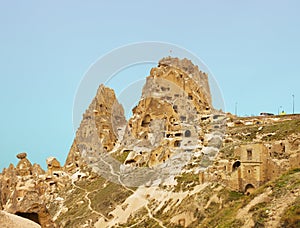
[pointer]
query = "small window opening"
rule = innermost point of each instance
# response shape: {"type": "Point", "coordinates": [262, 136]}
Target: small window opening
{"type": "Point", "coordinates": [177, 143]}
{"type": "Point", "coordinates": [249, 154]}
{"type": "Point", "coordinates": [187, 133]}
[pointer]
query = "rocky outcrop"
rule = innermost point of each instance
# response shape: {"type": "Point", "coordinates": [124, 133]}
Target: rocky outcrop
{"type": "Point", "coordinates": [53, 165]}
{"type": "Point", "coordinates": [24, 167]}
{"type": "Point", "coordinates": [104, 118]}
{"type": "Point", "coordinates": [26, 189]}
{"type": "Point", "coordinates": [161, 168]}
{"type": "Point", "coordinates": [173, 121]}
{"type": "Point", "coordinates": [199, 83]}
{"type": "Point", "coordinates": [173, 115]}
{"type": "Point", "coordinates": [8, 220]}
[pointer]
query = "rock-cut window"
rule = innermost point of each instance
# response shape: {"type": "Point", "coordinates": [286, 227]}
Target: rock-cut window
{"type": "Point", "coordinates": [249, 154]}
{"type": "Point", "coordinates": [187, 133]}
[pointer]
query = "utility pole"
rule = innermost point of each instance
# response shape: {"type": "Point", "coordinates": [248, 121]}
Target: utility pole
{"type": "Point", "coordinates": [236, 108]}
{"type": "Point", "coordinates": [279, 109]}
{"type": "Point", "coordinates": [293, 103]}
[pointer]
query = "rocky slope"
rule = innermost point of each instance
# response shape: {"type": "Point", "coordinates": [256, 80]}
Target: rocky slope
{"type": "Point", "coordinates": [191, 202]}
{"type": "Point", "coordinates": [177, 162]}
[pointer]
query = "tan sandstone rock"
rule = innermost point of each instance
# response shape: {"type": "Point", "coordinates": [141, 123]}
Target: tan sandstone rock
{"type": "Point", "coordinates": [103, 117]}
{"type": "Point", "coordinates": [8, 220]}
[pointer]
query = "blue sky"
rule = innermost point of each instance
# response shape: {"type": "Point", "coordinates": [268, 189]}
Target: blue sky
{"type": "Point", "coordinates": [251, 47]}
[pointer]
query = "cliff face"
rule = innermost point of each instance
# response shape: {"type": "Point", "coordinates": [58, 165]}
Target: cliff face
{"type": "Point", "coordinates": [172, 118]}
{"type": "Point", "coordinates": [198, 84]}
{"type": "Point", "coordinates": [176, 92]}
{"type": "Point", "coordinates": [168, 118]}
{"type": "Point", "coordinates": [98, 131]}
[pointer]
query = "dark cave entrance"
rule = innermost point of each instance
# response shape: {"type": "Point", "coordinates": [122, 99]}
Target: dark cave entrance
{"type": "Point", "coordinates": [31, 216]}
{"type": "Point", "coordinates": [187, 133]}
{"type": "Point", "coordinates": [236, 165]}
{"type": "Point", "coordinates": [249, 189]}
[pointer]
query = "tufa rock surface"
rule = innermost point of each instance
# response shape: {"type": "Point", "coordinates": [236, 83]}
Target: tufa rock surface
{"type": "Point", "coordinates": [8, 220]}
{"type": "Point", "coordinates": [103, 118]}
{"type": "Point", "coordinates": [26, 189]}
{"type": "Point", "coordinates": [22, 155]}
{"type": "Point", "coordinates": [234, 172]}
{"type": "Point", "coordinates": [168, 119]}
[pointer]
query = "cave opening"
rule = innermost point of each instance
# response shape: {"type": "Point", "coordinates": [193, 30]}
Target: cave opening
{"type": "Point", "coordinates": [236, 165]}
{"type": "Point", "coordinates": [177, 143]}
{"type": "Point", "coordinates": [187, 133]}
{"type": "Point", "coordinates": [30, 215]}
{"type": "Point", "coordinates": [249, 189]}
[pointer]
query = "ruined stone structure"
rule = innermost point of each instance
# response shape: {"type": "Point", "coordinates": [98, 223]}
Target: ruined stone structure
{"type": "Point", "coordinates": [251, 170]}
{"type": "Point", "coordinates": [254, 163]}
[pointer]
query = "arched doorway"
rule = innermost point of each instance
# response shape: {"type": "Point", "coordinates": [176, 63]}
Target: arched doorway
{"type": "Point", "coordinates": [249, 189]}
{"type": "Point", "coordinates": [235, 165]}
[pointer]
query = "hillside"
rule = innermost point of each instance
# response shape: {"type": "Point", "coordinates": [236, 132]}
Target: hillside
{"type": "Point", "coordinates": [190, 203]}
{"type": "Point", "coordinates": [177, 162]}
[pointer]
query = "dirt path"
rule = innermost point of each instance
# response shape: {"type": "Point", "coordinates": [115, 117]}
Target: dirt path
{"type": "Point", "coordinates": [244, 214]}
{"type": "Point", "coordinates": [279, 205]}
{"type": "Point", "coordinates": [135, 202]}
{"type": "Point", "coordinates": [86, 196]}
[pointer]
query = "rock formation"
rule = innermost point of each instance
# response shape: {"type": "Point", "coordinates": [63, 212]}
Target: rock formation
{"type": "Point", "coordinates": [169, 117]}
{"type": "Point", "coordinates": [25, 189]}
{"type": "Point", "coordinates": [9, 220]}
{"type": "Point", "coordinates": [24, 166]}
{"type": "Point", "coordinates": [104, 117]}
{"type": "Point", "coordinates": [188, 170]}
{"type": "Point", "coordinates": [53, 165]}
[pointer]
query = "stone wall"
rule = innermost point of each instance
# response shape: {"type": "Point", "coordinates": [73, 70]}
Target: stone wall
{"type": "Point", "coordinates": [254, 165]}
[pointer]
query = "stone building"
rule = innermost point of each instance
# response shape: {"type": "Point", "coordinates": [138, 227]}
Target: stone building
{"type": "Point", "coordinates": [251, 170]}
{"type": "Point", "coordinates": [254, 165]}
